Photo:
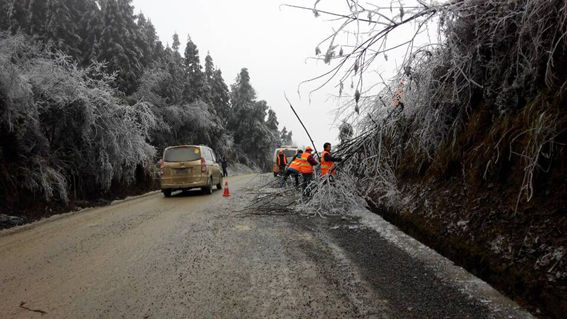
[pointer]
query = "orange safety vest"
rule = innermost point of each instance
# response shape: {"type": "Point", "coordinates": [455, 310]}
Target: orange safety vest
{"type": "Point", "coordinates": [304, 166]}
{"type": "Point", "coordinates": [284, 159]}
{"type": "Point", "coordinates": [295, 164]}
{"type": "Point", "coordinates": [397, 97]}
{"type": "Point", "coordinates": [327, 167]}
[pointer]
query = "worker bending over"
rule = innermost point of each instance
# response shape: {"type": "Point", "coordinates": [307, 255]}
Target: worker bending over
{"type": "Point", "coordinates": [307, 162]}
{"type": "Point", "coordinates": [293, 169]}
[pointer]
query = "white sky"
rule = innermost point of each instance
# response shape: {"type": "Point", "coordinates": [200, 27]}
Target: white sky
{"type": "Point", "coordinates": [273, 42]}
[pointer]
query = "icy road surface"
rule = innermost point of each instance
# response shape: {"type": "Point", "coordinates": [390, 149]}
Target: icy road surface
{"type": "Point", "coordinates": [199, 256]}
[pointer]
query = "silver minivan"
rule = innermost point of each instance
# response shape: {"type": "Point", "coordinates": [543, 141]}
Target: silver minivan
{"type": "Point", "coordinates": [185, 167]}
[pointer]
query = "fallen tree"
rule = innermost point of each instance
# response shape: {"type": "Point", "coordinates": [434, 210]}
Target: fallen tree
{"type": "Point", "coordinates": [464, 147]}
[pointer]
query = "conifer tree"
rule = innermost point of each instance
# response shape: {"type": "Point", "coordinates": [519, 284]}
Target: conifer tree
{"type": "Point", "coordinates": [148, 40]}
{"type": "Point", "coordinates": [220, 96]}
{"type": "Point", "coordinates": [37, 20]}
{"type": "Point", "coordinates": [5, 14]}
{"type": "Point", "coordinates": [174, 83]}
{"type": "Point", "coordinates": [62, 26]}
{"type": "Point", "coordinates": [194, 83]}
{"type": "Point", "coordinates": [18, 15]}
{"type": "Point", "coordinates": [209, 68]}
{"type": "Point", "coordinates": [118, 44]}
{"type": "Point", "coordinates": [286, 137]}
{"type": "Point", "coordinates": [272, 121]}
{"type": "Point", "coordinates": [176, 43]}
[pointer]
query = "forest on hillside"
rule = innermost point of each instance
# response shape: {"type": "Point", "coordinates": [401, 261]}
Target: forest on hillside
{"type": "Point", "coordinates": [90, 96]}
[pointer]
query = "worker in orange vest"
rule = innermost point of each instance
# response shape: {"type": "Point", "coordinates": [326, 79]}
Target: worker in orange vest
{"type": "Point", "coordinates": [293, 169]}
{"type": "Point", "coordinates": [306, 163]}
{"type": "Point", "coordinates": [281, 161]}
{"type": "Point", "coordinates": [328, 167]}
{"type": "Point", "coordinates": [398, 95]}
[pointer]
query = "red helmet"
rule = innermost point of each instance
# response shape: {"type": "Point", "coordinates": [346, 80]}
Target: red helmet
{"type": "Point", "coordinates": [308, 148]}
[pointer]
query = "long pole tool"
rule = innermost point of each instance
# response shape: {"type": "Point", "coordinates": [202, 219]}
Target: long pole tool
{"type": "Point", "coordinates": [301, 122]}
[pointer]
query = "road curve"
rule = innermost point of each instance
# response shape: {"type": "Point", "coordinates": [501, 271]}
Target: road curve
{"type": "Point", "coordinates": [199, 256]}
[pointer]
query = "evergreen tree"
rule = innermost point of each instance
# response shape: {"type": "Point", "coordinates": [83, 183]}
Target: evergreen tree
{"type": "Point", "coordinates": [5, 14]}
{"type": "Point", "coordinates": [90, 30]}
{"type": "Point", "coordinates": [285, 137]}
{"type": "Point", "coordinates": [209, 68]}
{"type": "Point", "coordinates": [37, 18]}
{"type": "Point", "coordinates": [176, 42]}
{"type": "Point", "coordinates": [242, 97]}
{"type": "Point", "coordinates": [174, 83]}
{"type": "Point", "coordinates": [242, 93]}
{"type": "Point", "coordinates": [62, 26]}
{"type": "Point", "coordinates": [272, 121]}
{"type": "Point", "coordinates": [194, 83]}
{"type": "Point", "coordinates": [148, 40]}
{"type": "Point", "coordinates": [18, 15]}
{"type": "Point", "coordinates": [220, 96]}
{"type": "Point", "coordinates": [118, 44]}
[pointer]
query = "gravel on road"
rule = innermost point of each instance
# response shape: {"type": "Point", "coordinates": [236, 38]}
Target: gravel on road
{"type": "Point", "coordinates": [198, 256]}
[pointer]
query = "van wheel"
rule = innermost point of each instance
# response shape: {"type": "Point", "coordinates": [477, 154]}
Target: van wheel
{"type": "Point", "coordinates": [209, 188]}
{"type": "Point", "coordinates": [166, 192]}
{"type": "Point", "coordinates": [219, 185]}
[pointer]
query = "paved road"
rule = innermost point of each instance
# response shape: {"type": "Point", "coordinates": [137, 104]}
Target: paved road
{"type": "Point", "coordinates": [199, 256]}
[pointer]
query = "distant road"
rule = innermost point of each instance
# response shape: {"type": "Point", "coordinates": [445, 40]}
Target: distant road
{"type": "Point", "coordinates": [200, 256]}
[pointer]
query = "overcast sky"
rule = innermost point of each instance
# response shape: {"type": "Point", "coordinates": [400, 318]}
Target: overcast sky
{"type": "Point", "coordinates": [272, 41]}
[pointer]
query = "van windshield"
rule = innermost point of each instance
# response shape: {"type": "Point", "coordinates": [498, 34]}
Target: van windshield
{"type": "Point", "coordinates": [289, 153]}
{"type": "Point", "coordinates": [182, 154]}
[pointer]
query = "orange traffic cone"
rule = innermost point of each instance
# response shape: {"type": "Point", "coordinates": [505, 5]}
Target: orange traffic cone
{"type": "Point", "coordinates": [226, 191]}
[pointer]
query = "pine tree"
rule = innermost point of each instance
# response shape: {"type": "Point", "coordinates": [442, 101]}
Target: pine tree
{"type": "Point", "coordinates": [148, 40]}
{"type": "Point", "coordinates": [90, 30]}
{"type": "Point", "coordinates": [220, 96]}
{"type": "Point", "coordinates": [194, 83]}
{"type": "Point", "coordinates": [174, 84]}
{"type": "Point", "coordinates": [209, 68]}
{"type": "Point", "coordinates": [242, 94]}
{"type": "Point", "coordinates": [18, 16]}
{"type": "Point", "coordinates": [118, 44]}
{"type": "Point", "coordinates": [286, 137]}
{"type": "Point", "coordinates": [5, 6]}
{"type": "Point", "coordinates": [176, 43]}
{"type": "Point", "coordinates": [272, 121]}
{"type": "Point", "coordinates": [37, 18]}
{"type": "Point", "coordinates": [62, 26]}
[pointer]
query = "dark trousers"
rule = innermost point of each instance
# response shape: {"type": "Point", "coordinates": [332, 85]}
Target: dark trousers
{"type": "Point", "coordinates": [282, 170]}
{"type": "Point", "coordinates": [305, 186]}
{"type": "Point", "coordinates": [286, 175]}
{"type": "Point", "coordinates": [224, 172]}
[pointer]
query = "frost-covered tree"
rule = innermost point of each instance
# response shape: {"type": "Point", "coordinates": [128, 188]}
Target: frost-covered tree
{"type": "Point", "coordinates": [18, 15]}
{"type": "Point", "coordinates": [118, 43]}
{"type": "Point", "coordinates": [286, 137]}
{"type": "Point", "coordinates": [194, 84]}
{"type": "Point", "coordinates": [37, 20]}
{"type": "Point", "coordinates": [5, 14]}
{"type": "Point", "coordinates": [64, 132]}
{"type": "Point", "coordinates": [216, 90]}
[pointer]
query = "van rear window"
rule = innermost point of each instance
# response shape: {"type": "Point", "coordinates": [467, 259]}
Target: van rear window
{"type": "Point", "coordinates": [182, 154]}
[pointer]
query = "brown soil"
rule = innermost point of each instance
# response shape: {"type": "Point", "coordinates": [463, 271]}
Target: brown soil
{"type": "Point", "coordinates": [521, 252]}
